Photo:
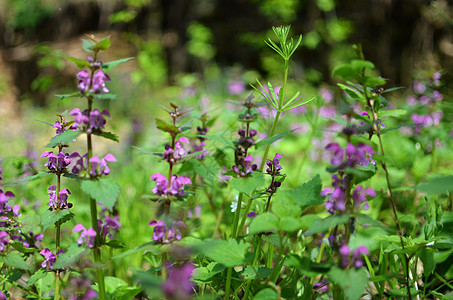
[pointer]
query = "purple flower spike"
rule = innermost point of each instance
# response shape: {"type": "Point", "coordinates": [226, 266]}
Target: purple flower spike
{"type": "Point", "coordinates": [252, 214]}
{"type": "Point", "coordinates": [87, 235]}
{"type": "Point", "coordinates": [164, 234]}
{"type": "Point", "coordinates": [84, 81]}
{"type": "Point", "coordinates": [98, 83]}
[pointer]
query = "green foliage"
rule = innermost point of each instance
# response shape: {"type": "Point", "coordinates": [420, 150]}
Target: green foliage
{"type": "Point", "coordinates": [353, 282]}
{"type": "Point", "coordinates": [49, 217]}
{"type": "Point", "coordinates": [247, 185]}
{"type": "Point", "coordinates": [230, 252]}
{"type": "Point", "coordinates": [70, 257]}
{"type": "Point", "coordinates": [200, 39]}
{"type": "Point", "coordinates": [104, 191]}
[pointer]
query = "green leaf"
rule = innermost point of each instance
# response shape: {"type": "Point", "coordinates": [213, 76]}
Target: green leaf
{"type": "Point", "coordinates": [102, 45]}
{"type": "Point", "coordinates": [229, 253]}
{"type": "Point", "coordinates": [263, 223]}
{"type": "Point", "coordinates": [68, 258]}
{"type": "Point", "coordinates": [353, 282]}
{"type": "Point", "coordinates": [105, 96]}
{"type": "Point", "coordinates": [435, 185]}
{"type": "Point", "coordinates": [165, 127]}
{"type": "Point", "coordinates": [108, 135]}
{"type": "Point", "coordinates": [80, 63]}
{"type": "Point", "coordinates": [51, 217]}
{"type": "Point", "coordinates": [35, 277]}
{"type": "Point", "coordinates": [115, 244]}
{"type": "Point", "coordinates": [253, 272]}
{"type": "Point", "coordinates": [15, 260]}
{"type": "Point", "coordinates": [105, 191]}
{"type": "Point", "coordinates": [360, 64]}
{"type": "Point", "coordinates": [208, 168]}
{"type": "Point", "coordinates": [220, 139]}
{"type": "Point", "coordinates": [306, 266]}
{"type": "Point", "coordinates": [266, 294]}
{"type": "Point", "coordinates": [372, 81]}
{"type": "Point", "coordinates": [392, 113]}
{"type": "Point", "coordinates": [206, 273]}
{"type": "Point", "coordinates": [72, 95]}
{"type": "Point", "coordinates": [87, 45]}
{"type": "Point", "coordinates": [64, 137]}
{"type": "Point", "coordinates": [248, 184]}
{"type": "Point", "coordinates": [30, 222]}
{"type": "Point", "coordinates": [270, 140]}
{"type": "Point", "coordinates": [345, 72]}
{"type": "Point", "coordinates": [309, 193]}
{"type": "Point", "coordinates": [352, 92]}
{"type": "Point", "coordinates": [322, 225]}
{"type": "Point", "coordinates": [285, 205]}
{"type": "Point", "coordinates": [290, 224]}
{"type": "Point", "coordinates": [33, 177]}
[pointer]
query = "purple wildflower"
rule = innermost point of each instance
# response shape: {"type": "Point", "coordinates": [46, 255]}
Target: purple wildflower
{"type": "Point", "coordinates": [56, 163]}
{"type": "Point", "coordinates": [361, 195]}
{"type": "Point", "coordinates": [252, 214]}
{"type": "Point", "coordinates": [4, 240]}
{"type": "Point", "coordinates": [4, 197]}
{"type": "Point", "coordinates": [79, 289]}
{"type": "Point", "coordinates": [93, 123]}
{"type": "Point", "coordinates": [98, 84]}
{"type": "Point", "coordinates": [176, 187]}
{"type": "Point", "coordinates": [355, 259]}
{"type": "Point", "coordinates": [3, 296]}
{"type": "Point", "coordinates": [321, 287]}
{"type": "Point", "coordinates": [164, 234]}
{"type": "Point", "coordinates": [179, 284]}
{"type": "Point", "coordinates": [194, 211]}
{"type": "Point", "coordinates": [84, 81]}
{"type": "Point", "coordinates": [87, 235]}
{"type": "Point", "coordinates": [109, 225]}
{"type": "Point", "coordinates": [63, 198]}
{"type": "Point", "coordinates": [49, 258]}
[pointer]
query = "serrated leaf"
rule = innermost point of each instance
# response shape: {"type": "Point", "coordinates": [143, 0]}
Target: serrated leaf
{"type": "Point", "coordinates": [253, 272]}
{"type": "Point", "coordinates": [352, 281]}
{"type": "Point", "coordinates": [263, 223]}
{"type": "Point", "coordinates": [270, 140]}
{"type": "Point", "coordinates": [101, 45]}
{"type": "Point", "coordinates": [15, 260]}
{"type": "Point", "coordinates": [80, 63]}
{"type": "Point", "coordinates": [206, 273]}
{"type": "Point", "coordinates": [392, 113]}
{"type": "Point", "coordinates": [64, 96]}
{"type": "Point", "coordinates": [33, 177]}
{"type": "Point", "coordinates": [221, 139]}
{"type": "Point", "coordinates": [35, 277]}
{"type": "Point", "coordinates": [435, 185]}
{"type": "Point", "coordinates": [105, 191]}
{"type": "Point", "coordinates": [248, 184]}
{"type": "Point", "coordinates": [30, 222]}
{"type": "Point", "coordinates": [308, 193]}
{"type": "Point", "coordinates": [111, 64]}
{"type": "Point", "coordinates": [64, 137]}
{"type": "Point", "coordinates": [66, 259]}
{"type": "Point", "coordinates": [230, 253]}
{"type": "Point", "coordinates": [322, 225]}
{"type": "Point", "coordinates": [87, 45]}
{"type": "Point", "coordinates": [108, 135]}
{"type": "Point", "coordinates": [49, 218]}
{"type": "Point", "coordinates": [208, 168]}
{"type": "Point", "coordinates": [289, 224]}
{"type": "Point", "coordinates": [165, 127]}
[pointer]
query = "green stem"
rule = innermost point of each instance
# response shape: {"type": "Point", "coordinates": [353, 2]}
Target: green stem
{"type": "Point", "coordinates": [94, 219]}
{"type": "Point", "coordinates": [234, 236]}
{"type": "Point", "coordinates": [255, 261]}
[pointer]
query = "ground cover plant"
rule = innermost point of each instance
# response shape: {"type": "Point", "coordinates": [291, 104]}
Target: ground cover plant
{"type": "Point", "coordinates": [267, 194]}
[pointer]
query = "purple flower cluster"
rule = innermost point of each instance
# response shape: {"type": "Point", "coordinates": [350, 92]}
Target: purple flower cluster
{"type": "Point", "coordinates": [171, 155]}
{"type": "Point", "coordinates": [4, 240]}
{"type": "Point", "coordinates": [424, 121]}
{"type": "Point", "coordinates": [337, 195]}
{"type": "Point", "coordinates": [164, 233]}
{"type": "Point", "coordinates": [98, 166]}
{"type": "Point", "coordinates": [175, 188]}
{"type": "Point", "coordinates": [5, 208]}
{"type": "Point", "coordinates": [199, 147]}
{"type": "Point", "coordinates": [351, 156]}
{"type": "Point", "coordinates": [355, 259]}
{"type": "Point", "coordinates": [57, 163]}
{"type": "Point", "coordinates": [49, 258]}
{"type": "Point", "coordinates": [108, 226]}
{"type": "Point", "coordinates": [94, 122]}
{"type": "Point", "coordinates": [86, 235]}
{"type": "Point", "coordinates": [179, 284]}
{"type": "Point", "coordinates": [60, 201]}
{"type": "Point", "coordinates": [273, 169]}
{"type": "Point", "coordinates": [95, 85]}
{"type": "Point", "coordinates": [244, 165]}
